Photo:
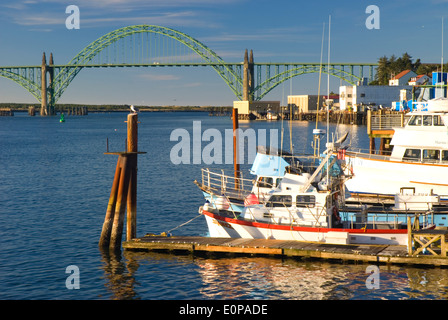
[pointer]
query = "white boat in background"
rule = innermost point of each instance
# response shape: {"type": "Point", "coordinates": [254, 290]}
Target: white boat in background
{"type": "Point", "coordinates": [271, 115]}
{"type": "Point", "coordinates": [419, 159]}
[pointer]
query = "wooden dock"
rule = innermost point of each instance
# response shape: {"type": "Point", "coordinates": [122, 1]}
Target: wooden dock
{"type": "Point", "coordinates": [388, 254]}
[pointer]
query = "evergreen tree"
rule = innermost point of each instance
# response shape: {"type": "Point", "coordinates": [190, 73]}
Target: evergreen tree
{"type": "Point", "coordinates": [389, 67]}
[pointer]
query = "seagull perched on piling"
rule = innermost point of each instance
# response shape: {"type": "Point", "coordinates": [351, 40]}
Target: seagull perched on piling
{"type": "Point", "coordinates": [134, 109]}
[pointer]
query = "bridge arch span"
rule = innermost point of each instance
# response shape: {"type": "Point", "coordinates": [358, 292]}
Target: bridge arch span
{"type": "Point", "coordinates": [269, 84]}
{"type": "Point", "coordinates": [69, 72]}
{"type": "Point", "coordinates": [24, 77]}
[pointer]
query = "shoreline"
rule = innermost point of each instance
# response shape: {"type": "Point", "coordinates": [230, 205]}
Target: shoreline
{"type": "Point", "coordinates": [24, 107]}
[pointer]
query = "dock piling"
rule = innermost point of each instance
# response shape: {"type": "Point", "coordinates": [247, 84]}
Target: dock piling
{"type": "Point", "coordinates": [123, 194]}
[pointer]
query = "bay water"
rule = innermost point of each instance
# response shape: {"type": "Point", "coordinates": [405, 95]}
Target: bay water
{"type": "Point", "coordinates": [55, 183]}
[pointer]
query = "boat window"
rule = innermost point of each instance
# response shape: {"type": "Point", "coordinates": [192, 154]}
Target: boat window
{"type": "Point", "coordinates": [415, 121]}
{"type": "Point", "coordinates": [444, 155]}
{"type": "Point", "coordinates": [265, 182]}
{"type": "Point", "coordinates": [412, 155]}
{"type": "Point", "coordinates": [427, 120]}
{"type": "Point", "coordinates": [277, 200]}
{"type": "Point", "coordinates": [437, 121]}
{"type": "Point", "coordinates": [431, 155]}
{"type": "Point", "coordinates": [277, 182]}
{"type": "Point", "coordinates": [303, 201]}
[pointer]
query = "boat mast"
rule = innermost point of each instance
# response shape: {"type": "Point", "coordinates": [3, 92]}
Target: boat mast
{"type": "Point", "coordinates": [328, 95]}
{"type": "Point", "coordinates": [291, 145]}
{"type": "Point", "coordinates": [441, 64]}
{"type": "Point", "coordinates": [316, 151]}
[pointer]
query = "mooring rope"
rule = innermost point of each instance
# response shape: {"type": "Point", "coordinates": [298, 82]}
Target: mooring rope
{"type": "Point", "coordinates": [184, 223]}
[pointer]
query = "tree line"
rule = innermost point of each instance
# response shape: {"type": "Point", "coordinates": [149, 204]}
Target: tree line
{"type": "Point", "coordinates": [389, 67]}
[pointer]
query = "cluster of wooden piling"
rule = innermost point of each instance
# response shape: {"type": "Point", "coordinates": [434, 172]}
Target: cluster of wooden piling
{"type": "Point", "coordinates": [6, 112]}
{"type": "Point", "coordinates": [76, 111]}
{"type": "Point", "coordinates": [32, 111]}
{"type": "Point", "coordinates": [124, 192]}
{"type": "Point", "coordinates": [342, 117]}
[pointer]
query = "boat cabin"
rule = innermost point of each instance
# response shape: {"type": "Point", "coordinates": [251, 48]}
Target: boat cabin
{"type": "Point", "coordinates": [287, 205]}
{"type": "Point", "coordinates": [424, 139]}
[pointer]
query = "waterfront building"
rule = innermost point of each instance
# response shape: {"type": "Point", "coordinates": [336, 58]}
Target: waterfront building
{"type": "Point", "coordinates": [306, 102]}
{"type": "Point", "coordinates": [358, 98]}
{"type": "Point", "coordinates": [256, 108]}
{"type": "Point", "coordinates": [402, 78]}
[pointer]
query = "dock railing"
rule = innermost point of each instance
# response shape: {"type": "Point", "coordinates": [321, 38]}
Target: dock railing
{"type": "Point", "coordinates": [429, 240]}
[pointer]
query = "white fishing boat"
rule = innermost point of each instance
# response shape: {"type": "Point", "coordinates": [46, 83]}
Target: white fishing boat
{"type": "Point", "coordinates": [419, 159]}
{"type": "Point", "coordinates": [310, 211]}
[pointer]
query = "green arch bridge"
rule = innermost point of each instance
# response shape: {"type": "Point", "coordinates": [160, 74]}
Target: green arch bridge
{"type": "Point", "coordinates": [156, 46]}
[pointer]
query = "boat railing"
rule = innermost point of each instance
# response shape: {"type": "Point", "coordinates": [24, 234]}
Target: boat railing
{"type": "Point", "coordinates": [223, 184]}
{"type": "Point", "coordinates": [387, 220]}
{"type": "Point", "coordinates": [365, 153]}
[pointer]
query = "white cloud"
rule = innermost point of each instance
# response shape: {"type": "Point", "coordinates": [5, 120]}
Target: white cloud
{"type": "Point", "coordinates": [267, 34]}
{"type": "Point", "coordinates": [96, 13]}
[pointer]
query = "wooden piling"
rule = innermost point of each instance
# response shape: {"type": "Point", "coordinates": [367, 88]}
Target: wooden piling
{"type": "Point", "coordinates": [124, 193]}
{"type": "Point", "coordinates": [372, 145]}
{"type": "Point", "coordinates": [132, 146]}
{"type": "Point", "coordinates": [110, 213]}
{"type": "Point", "coordinates": [120, 206]}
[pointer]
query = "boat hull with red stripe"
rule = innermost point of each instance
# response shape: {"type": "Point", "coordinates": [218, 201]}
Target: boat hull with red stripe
{"type": "Point", "coordinates": [222, 224]}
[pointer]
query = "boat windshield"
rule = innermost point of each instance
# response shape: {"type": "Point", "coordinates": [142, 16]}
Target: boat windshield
{"type": "Point", "coordinates": [415, 121]}
{"type": "Point", "coordinates": [267, 182]}
{"type": "Point", "coordinates": [425, 120]}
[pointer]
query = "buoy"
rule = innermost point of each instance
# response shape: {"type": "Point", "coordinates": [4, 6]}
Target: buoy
{"type": "Point", "coordinates": [207, 206]}
{"type": "Point", "coordinates": [251, 199]}
{"type": "Point", "coordinates": [221, 203]}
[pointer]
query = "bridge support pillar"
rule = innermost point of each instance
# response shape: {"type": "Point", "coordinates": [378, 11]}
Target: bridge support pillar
{"type": "Point", "coordinates": [47, 91]}
{"type": "Point", "coordinates": [43, 101]}
{"type": "Point", "coordinates": [248, 77]}
{"type": "Point", "coordinates": [50, 70]}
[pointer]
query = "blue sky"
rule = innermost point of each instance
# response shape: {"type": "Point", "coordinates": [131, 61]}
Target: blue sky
{"type": "Point", "coordinates": [277, 31]}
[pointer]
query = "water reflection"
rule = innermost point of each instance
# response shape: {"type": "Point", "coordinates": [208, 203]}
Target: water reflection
{"type": "Point", "coordinates": [120, 274]}
{"type": "Point", "coordinates": [165, 276]}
